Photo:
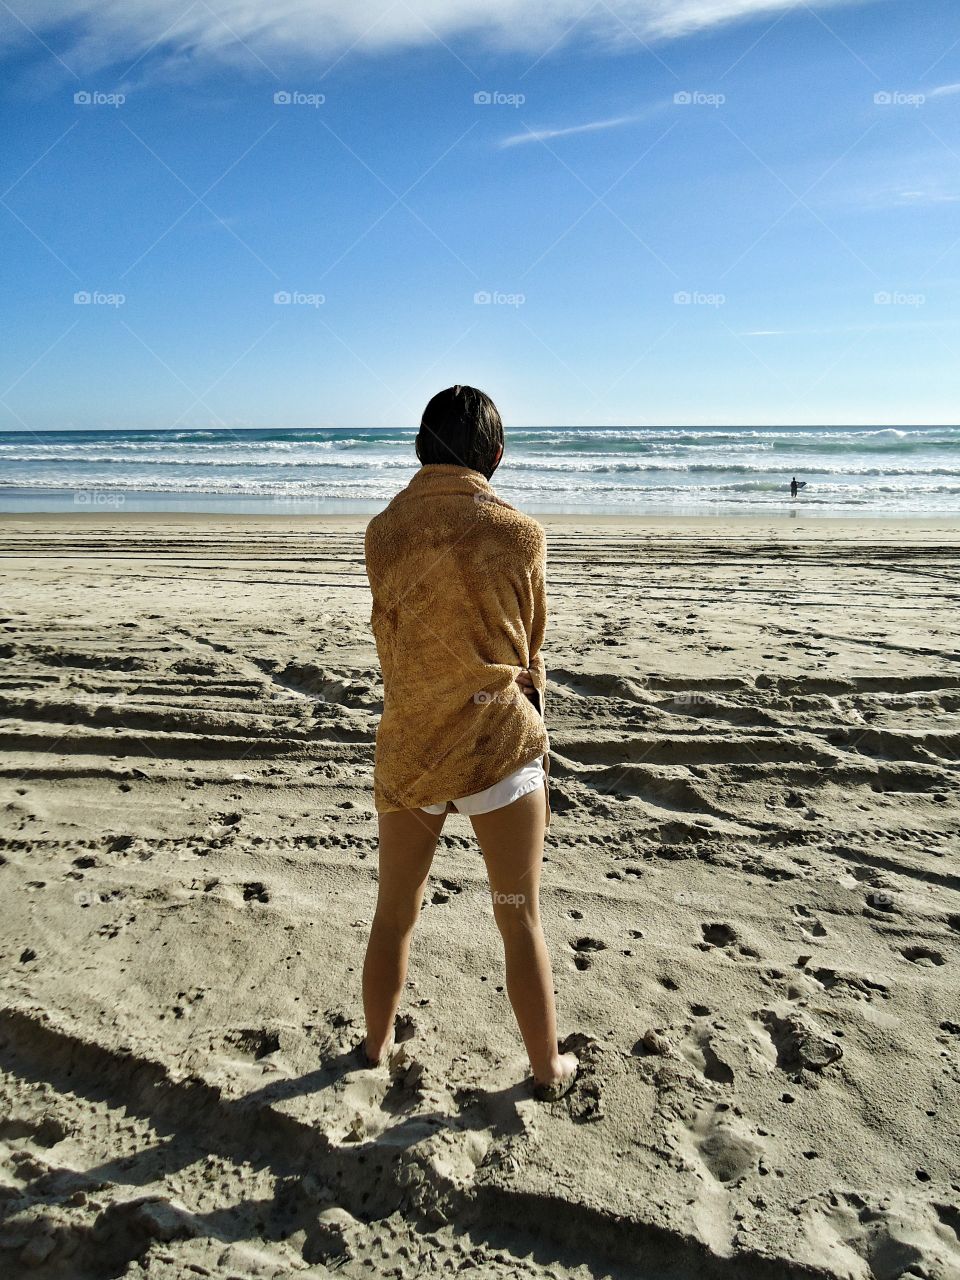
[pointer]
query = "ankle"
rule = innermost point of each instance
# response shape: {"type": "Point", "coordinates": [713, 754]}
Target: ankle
{"type": "Point", "coordinates": [557, 1068]}
{"type": "Point", "coordinates": [374, 1052]}
{"type": "Point", "coordinates": [551, 1072]}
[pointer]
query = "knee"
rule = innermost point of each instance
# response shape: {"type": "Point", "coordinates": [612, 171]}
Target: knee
{"type": "Point", "coordinates": [516, 915]}
{"type": "Point", "coordinates": [394, 921]}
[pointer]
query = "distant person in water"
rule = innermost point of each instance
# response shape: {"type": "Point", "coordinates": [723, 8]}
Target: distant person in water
{"type": "Point", "coordinates": [459, 609]}
{"type": "Point", "coordinates": [794, 487]}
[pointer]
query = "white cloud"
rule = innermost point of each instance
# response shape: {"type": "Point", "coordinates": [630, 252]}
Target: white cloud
{"type": "Point", "coordinates": [942, 90]}
{"type": "Point", "coordinates": [926, 197]}
{"type": "Point", "coordinates": [103, 33]}
{"type": "Point", "coordinates": [544, 135]}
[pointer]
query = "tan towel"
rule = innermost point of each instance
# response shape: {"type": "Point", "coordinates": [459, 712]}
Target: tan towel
{"type": "Point", "coordinates": [459, 607]}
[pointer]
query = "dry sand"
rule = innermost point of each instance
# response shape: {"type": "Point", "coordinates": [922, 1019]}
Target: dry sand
{"type": "Point", "coordinates": [751, 899]}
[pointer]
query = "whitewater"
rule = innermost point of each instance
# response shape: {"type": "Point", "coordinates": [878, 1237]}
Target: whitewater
{"type": "Point", "coordinates": [877, 471]}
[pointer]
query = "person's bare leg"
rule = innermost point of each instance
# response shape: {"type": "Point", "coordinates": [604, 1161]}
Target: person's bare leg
{"type": "Point", "coordinates": [408, 840]}
{"type": "Point", "coordinates": [511, 840]}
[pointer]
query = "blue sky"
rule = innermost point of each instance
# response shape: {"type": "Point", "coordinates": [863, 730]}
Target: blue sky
{"type": "Point", "coordinates": [813, 229]}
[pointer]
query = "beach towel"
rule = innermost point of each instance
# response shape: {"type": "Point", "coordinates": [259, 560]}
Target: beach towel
{"type": "Point", "coordinates": [459, 608]}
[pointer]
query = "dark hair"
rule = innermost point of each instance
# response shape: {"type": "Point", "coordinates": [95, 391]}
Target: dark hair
{"type": "Point", "coordinates": [461, 426]}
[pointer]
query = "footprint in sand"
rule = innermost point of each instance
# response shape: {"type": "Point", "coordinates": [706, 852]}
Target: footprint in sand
{"type": "Point", "coordinates": [717, 934]}
{"type": "Point", "coordinates": [708, 1047]}
{"type": "Point", "coordinates": [445, 891]}
{"type": "Point", "coordinates": [923, 956]}
{"type": "Point", "coordinates": [808, 922]}
{"type": "Point", "coordinates": [583, 947]}
{"type": "Point", "coordinates": [253, 1042]}
{"type": "Point", "coordinates": [722, 1144]}
{"type": "Point", "coordinates": [797, 1044]}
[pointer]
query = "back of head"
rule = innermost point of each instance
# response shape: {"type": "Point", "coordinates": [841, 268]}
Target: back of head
{"type": "Point", "coordinates": [461, 427]}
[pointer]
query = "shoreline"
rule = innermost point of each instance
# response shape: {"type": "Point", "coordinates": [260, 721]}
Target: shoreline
{"type": "Point", "coordinates": [785, 520]}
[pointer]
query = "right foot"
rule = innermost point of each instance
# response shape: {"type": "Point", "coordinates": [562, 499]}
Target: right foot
{"type": "Point", "coordinates": [560, 1079]}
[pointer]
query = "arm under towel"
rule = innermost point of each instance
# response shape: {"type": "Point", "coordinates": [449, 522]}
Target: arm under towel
{"type": "Point", "coordinates": [538, 672]}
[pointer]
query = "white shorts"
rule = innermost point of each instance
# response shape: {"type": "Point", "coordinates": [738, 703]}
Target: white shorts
{"type": "Point", "coordinates": [522, 781]}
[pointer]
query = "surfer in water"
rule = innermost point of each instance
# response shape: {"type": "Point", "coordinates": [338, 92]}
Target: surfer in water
{"type": "Point", "coordinates": [795, 487]}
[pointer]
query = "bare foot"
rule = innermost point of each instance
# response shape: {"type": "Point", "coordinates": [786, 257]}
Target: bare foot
{"type": "Point", "coordinates": [560, 1080]}
{"type": "Point", "coordinates": [373, 1059]}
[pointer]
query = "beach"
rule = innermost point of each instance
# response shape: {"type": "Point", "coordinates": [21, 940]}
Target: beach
{"type": "Point", "coordinates": [751, 897]}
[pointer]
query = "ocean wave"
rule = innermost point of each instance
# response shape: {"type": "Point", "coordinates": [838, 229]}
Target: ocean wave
{"type": "Point", "coordinates": [623, 468]}
{"type": "Point", "coordinates": [371, 486]}
{"type": "Point", "coordinates": [583, 468]}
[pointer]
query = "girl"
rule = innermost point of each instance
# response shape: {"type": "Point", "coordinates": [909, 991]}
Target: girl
{"type": "Point", "coordinates": [459, 609]}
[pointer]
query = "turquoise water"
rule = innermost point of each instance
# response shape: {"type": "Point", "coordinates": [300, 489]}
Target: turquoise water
{"type": "Point", "coordinates": [644, 470]}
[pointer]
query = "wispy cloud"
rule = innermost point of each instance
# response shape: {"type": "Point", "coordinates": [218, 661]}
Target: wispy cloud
{"type": "Point", "coordinates": [942, 90]}
{"type": "Point", "coordinates": [544, 135]}
{"type": "Point", "coordinates": [90, 34]}
{"type": "Point", "coordinates": [926, 197]}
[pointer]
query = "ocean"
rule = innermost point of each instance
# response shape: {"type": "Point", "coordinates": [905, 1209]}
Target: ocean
{"type": "Point", "coordinates": [716, 471]}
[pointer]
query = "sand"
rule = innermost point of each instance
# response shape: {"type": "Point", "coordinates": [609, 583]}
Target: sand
{"type": "Point", "coordinates": [751, 899]}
